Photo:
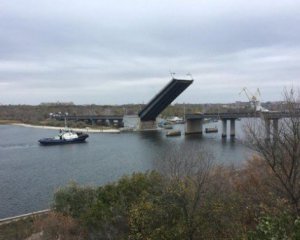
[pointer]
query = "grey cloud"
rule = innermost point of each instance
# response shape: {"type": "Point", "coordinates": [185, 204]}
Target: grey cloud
{"type": "Point", "coordinates": [97, 51]}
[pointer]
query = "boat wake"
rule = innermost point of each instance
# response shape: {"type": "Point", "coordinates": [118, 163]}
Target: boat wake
{"type": "Point", "coordinates": [16, 146]}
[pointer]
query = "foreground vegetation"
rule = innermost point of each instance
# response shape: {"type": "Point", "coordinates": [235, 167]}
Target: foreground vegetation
{"type": "Point", "coordinates": [190, 198]}
{"type": "Point", "coordinates": [16, 230]}
{"type": "Point", "coordinates": [213, 202]}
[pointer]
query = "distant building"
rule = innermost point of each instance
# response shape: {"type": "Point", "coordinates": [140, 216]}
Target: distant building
{"type": "Point", "coordinates": [57, 103]}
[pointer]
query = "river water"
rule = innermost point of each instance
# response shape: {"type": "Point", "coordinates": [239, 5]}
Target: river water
{"type": "Point", "coordinates": [30, 173]}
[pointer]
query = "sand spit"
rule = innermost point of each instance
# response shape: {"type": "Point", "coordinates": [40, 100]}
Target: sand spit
{"type": "Point", "coordinates": [89, 130]}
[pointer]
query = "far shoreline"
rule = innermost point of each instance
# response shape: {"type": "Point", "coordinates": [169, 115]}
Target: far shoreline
{"type": "Point", "coordinates": [87, 129]}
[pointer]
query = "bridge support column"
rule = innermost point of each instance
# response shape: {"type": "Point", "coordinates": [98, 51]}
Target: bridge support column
{"type": "Point", "coordinates": [111, 122]}
{"type": "Point", "coordinates": [103, 122]}
{"type": "Point", "coordinates": [268, 128]}
{"type": "Point", "coordinates": [232, 128]}
{"type": "Point", "coordinates": [147, 125]}
{"type": "Point", "coordinates": [92, 121]}
{"type": "Point", "coordinates": [275, 130]}
{"type": "Point", "coordinates": [120, 123]}
{"type": "Point", "coordinates": [275, 127]}
{"type": "Point", "coordinates": [193, 126]}
{"type": "Point", "coordinates": [224, 128]}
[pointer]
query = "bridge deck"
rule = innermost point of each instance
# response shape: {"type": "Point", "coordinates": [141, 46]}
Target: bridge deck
{"type": "Point", "coordinates": [166, 96]}
{"type": "Point", "coordinates": [234, 115]}
{"type": "Point", "coordinates": [90, 117]}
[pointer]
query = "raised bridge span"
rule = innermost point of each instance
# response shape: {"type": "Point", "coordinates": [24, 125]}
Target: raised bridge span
{"type": "Point", "coordinates": [148, 115]}
{"type": "Point", "coordinates": [160, 101]}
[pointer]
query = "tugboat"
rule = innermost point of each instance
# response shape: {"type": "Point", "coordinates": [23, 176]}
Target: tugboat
{"type": "Point", "coordinates": [64, 137]}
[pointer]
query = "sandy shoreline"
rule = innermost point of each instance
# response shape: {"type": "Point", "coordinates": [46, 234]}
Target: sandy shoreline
{"type": "Point", "coordinates": [89, 130]}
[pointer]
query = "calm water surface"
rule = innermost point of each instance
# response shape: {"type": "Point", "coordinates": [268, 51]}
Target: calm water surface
{"type": "Point", "coordinates": [30, 173]}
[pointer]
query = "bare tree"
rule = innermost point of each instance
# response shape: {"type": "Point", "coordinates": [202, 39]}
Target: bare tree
{"type": "Point", "coordinates": [281, 149]}
{"type": "Point", "coordinates": [188, 169]}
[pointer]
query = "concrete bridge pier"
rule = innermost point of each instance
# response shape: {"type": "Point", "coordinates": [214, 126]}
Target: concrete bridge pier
{"type": "Point", "coordinates": [224, 128]}
{"type": "Point", "coordinates": [232, 128]}
{"type": "Point", "coordinates": [120, 123]}
{"type": "Point", "coordinates": [193, 126]}
{"type": "Point", "coordinates": [111, 122]}
{"type": "Point", "coordinates": [275, 130]}
{"type": "Point", "coordinates": [91, 121]}
{"type": "Point", "coordinates": [275, 127]}
{"type": "Point", "coordinates": [147, 125]}
{"type": "Point", "coordinates": [268, 128]}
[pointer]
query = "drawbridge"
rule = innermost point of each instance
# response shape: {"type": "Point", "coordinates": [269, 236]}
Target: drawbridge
{"type": "Point", "coordinates": [160, 101]}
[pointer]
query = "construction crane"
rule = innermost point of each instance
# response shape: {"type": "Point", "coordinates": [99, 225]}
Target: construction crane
{"type": "Point", "coordinates": [254, 99]}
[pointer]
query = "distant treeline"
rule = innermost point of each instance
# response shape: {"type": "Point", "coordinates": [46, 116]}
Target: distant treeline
{"type": "Point", "coordinates": [38, 113]}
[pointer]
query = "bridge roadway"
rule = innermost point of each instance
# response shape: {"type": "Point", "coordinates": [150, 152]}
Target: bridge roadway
{"type": "Point", "coordinates": [232, 115]}
{"type": "Point", "coordinates": [93, 119]}
{"type": "Point", "coordinates": [235, 115]}
{"type": "Point", "coordinates": [194, 121]}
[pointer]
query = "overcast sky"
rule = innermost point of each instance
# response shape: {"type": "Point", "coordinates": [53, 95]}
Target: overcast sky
{"type": "Point", "coordinates": [117, 52]}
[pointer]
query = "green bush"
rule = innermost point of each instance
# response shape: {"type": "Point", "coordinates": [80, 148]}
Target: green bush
{"type": "Point", "coordinates": [151, 206]}
{"type": "Point", "coordinates": [104, 211]}
{"type": "Point", "coordinates": [276, 228]}
{"type": "Point", "coordinates": [74, 200]}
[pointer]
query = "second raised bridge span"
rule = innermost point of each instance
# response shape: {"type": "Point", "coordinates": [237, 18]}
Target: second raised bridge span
{"type": "Point", "coordinates": [194, 121]}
